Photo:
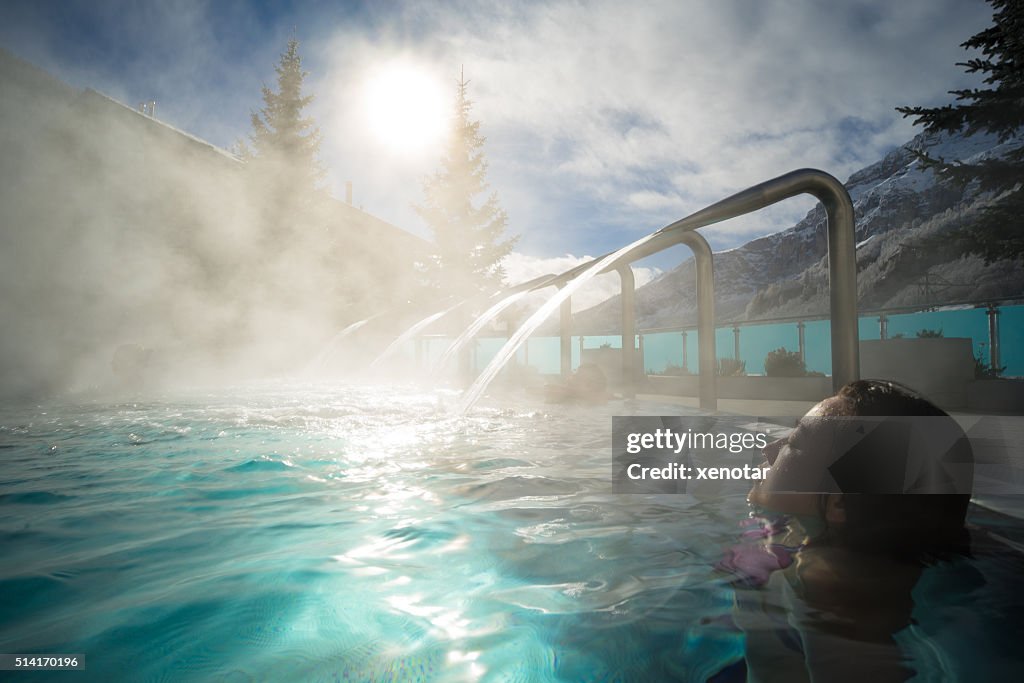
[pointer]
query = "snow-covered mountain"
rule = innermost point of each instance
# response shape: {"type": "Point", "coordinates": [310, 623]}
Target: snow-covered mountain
{"type": "Point", "coordinates": [902, 209]}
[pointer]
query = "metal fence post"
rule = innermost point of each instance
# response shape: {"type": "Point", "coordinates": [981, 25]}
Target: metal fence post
{"type": "Point", "coordinates": [993, 336]}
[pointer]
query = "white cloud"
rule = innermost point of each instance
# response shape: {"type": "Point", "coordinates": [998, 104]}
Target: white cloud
{"type": "Point", "coordinates": [604, 120]}
{"type": "Point", "coordinates": [647, 200]}
{"type": "Point", "coordinates": [522, 267]}
{"type": "Point", "coordinates": [644, 113]}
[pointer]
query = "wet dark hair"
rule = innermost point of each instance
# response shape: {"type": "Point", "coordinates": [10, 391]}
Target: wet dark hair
{"type": "Point", "coordinates": [882, 398]}
{"type": "Point", "coordinates": [905, 524]}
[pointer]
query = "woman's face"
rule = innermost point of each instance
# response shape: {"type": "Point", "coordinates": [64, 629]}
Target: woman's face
{"type": "Point", "coordinates": [799, 467]}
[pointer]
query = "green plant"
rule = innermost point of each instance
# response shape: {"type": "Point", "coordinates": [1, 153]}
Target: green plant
{"type": "Point", "coordinates": [784, 363]}
{"type": "Point", "coordinates": [730, 367]}
{"type": "Point", "coordinates": [673, 371]}
{"type": "Point", "coordinates": [984, 370]}
{"type": "Point", "coordinates": [929, 334]}
{"type": "Point", "coordinates": [898, 335]}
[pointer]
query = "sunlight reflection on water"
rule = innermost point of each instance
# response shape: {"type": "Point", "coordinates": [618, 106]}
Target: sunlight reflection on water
{"type": "Point", "coordinates": [315, 532]}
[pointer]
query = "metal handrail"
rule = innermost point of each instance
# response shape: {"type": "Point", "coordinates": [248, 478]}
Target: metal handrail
{"type": "Point", "coordinates": [841, 259]}
{"type": "Point", "coordinates": [705, 315]}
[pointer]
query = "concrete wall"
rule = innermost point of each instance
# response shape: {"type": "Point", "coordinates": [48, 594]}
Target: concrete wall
{"type": "Point", "coordinates": [754, 387]}
{"type": "Point", "coordinates": [1003, 396]}
{"type": "Point", "coordinates": [938, 368]}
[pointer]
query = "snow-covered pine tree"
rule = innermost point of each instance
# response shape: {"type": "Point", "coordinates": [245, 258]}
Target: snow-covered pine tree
{"type": "Point", "coordinates": [999, 109]}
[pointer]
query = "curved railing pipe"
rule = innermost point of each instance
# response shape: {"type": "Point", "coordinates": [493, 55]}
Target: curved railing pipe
{"type": "Point", "coordinates": [704, 261]}
{"type": "Point", "coordinates": [628, 324]}
{"type": "Point", "coordinates": [841, 261]}
{"type": "Point", "coordinates": [705, 316]}
{"type": "Point", "coordinates": [842, 267]}
{"type": "Point", "coordinates": [565, 337]}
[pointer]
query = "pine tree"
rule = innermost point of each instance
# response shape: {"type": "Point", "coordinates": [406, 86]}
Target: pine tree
{"type": "Point", "coordinates": [284, 157]}
{"type": "Point", "coordinates": [998, 109]}
{"type": "Point", "coordinates": [468, 234]}
{"type": "Point", "coordinates": [296, 261]}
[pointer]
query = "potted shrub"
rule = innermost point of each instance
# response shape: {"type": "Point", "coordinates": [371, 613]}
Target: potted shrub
{"type": "Point", "coordinates": [730, 367]}
{"type": "Point", "coordinates": [784, 363]}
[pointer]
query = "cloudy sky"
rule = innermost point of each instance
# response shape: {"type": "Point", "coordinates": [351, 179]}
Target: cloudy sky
{"type": "Point", "coordinates": [604, 120]}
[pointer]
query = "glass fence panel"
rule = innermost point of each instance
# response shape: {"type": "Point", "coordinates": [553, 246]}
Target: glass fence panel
{"type": "Point", "coordinates": [485, 349]}
{"type": "Point", "coordinates": [544, 354]}
{"type": "Point", "coordinates": [757, 340]}
{"type": "Point", "coordinates": [724, 343]}
{"type": "Point", "coordinates": [693, 351]}
{"type": "Point", "coordinates": [968, 322]}
{"type": "Point", "coordinates": [868, 327]}
{"type": "Point", "coordinates": [594, 341]}
{"type": "Point", "coordinates": [818, 346]}
{"type": "Point", "coordinates": [1011, 340]}
{"type": "Point", "coordinates": [662, 349]}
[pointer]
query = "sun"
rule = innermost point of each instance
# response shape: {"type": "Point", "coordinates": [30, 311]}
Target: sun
{"type": "Point", "coordinates": [404, 108]}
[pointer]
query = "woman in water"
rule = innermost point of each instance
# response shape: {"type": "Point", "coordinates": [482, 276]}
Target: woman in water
{"type": "Point", "coordinates": [870, 488]}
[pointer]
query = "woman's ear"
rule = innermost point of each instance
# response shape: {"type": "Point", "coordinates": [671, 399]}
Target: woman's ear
{"type": "Point", "coordinates": [835, 509]}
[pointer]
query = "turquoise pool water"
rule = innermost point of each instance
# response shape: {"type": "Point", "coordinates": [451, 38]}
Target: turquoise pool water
{"type": "Point", "coordinates": [363, 534]}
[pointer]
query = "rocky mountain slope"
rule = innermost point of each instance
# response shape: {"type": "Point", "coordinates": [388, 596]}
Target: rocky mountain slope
{"type": "Point", "coordinates": [902, 213]}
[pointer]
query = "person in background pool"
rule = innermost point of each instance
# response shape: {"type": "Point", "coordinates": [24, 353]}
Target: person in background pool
{"type": "Point", "coordinates": [873, 486]}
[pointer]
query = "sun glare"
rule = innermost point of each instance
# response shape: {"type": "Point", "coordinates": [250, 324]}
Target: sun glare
{"type": "Point", "coordinates": [405, 108]}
